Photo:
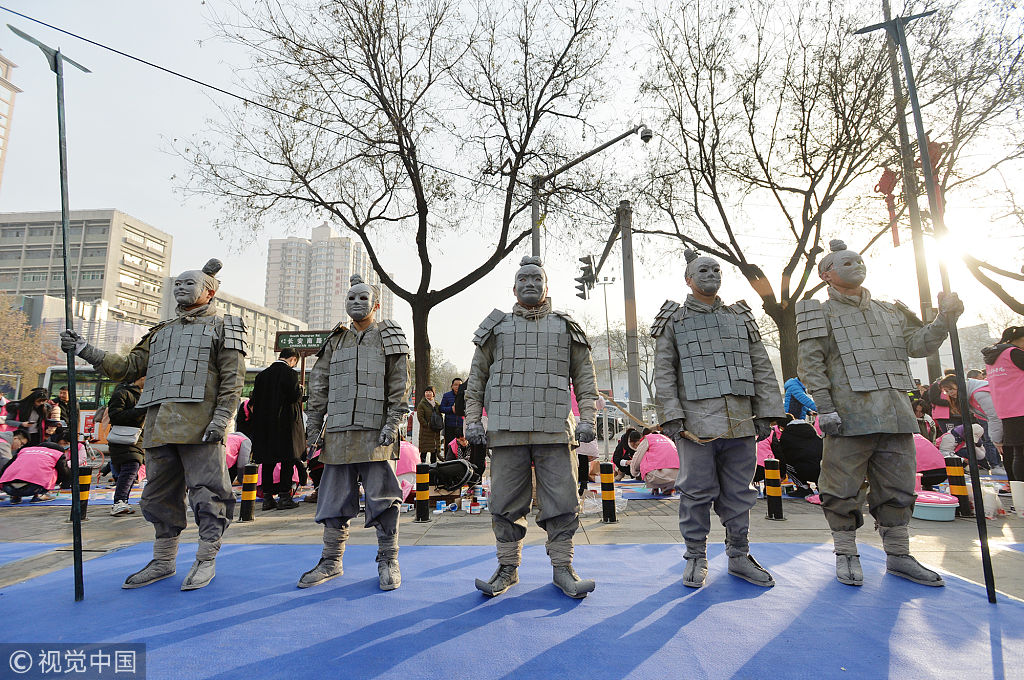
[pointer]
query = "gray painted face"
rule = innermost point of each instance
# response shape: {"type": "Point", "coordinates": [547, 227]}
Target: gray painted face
{"type": "Point", "coordinates": [188, 287]}
{"type": "Point", "coordinates": [531, 285]}
{"type": "Point", "coordinates": [704, 274]}
{"type": "Point", "coordinates": [849, 267]}
{"type": "Point", "coordinates": [360, 301]}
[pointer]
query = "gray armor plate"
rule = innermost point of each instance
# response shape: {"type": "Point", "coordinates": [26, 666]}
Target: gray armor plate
{"type": "Point", "coordinates": [668, 309]}
{"type": "Point", "coordinates": [356, 393]}
{"type": "Point", "coordinates": [179, 362]}
{"type": "Point", "coordinates": [236, 336]}
{"type": "Point", "coordinates": [393, 338]}
{"type": "Point", "coordinates": [871, 346]}
{"type": "Point", "coordinates": [810, 320]}
{"type": "Point", "coordinates": [714, 354]}
{"type": "Point", "coordinates": [528, 386]}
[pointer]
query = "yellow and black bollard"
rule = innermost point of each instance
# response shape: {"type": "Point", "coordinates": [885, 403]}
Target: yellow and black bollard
{"type": "Point", "coordinates": [84, 484]}
{"type": "Point", "coordinates": [422, 492]}
{"type": "Point", "coordinates": [249, 480]}
{"type": "Point", "coordinates": [773, 489]}
{"type": "Point", "coordinates": [608, 493]}
{"type": "Point", "coordinates": [958, 485]}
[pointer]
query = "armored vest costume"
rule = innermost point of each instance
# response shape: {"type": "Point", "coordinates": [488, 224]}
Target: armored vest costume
{"type": "Point", "coordinates": [179, 357]}
{"type": "Point", "coordinates": [870, 341]}
{"type": "Point", "coordinates": [528, 386]}
{"type": "Point", "coordinates": [357, 396]}
{"type": "Point", "coordinates": [714, 349]}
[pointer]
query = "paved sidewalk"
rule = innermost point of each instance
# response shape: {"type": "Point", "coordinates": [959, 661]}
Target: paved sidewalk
{"type": "Point", "coordinates": [952, 546]}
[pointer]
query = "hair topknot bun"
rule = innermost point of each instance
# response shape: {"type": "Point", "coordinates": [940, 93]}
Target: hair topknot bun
{"type": "Point", "coordinates": [690, 254]}
{"type": "Point", "coordinates": [212, 267]}
{"type": "Point", "coordinates": [355, 279]}
{"type": "Point", "coordinates": [531, 259]}
{"type": "Point", "coordinates": [837, 244]}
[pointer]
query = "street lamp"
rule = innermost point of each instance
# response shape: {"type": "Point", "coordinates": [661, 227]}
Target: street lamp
{"type": "Point", "coordinates": [537, 182]}
{"type": "Point", "coordinates": [604, 283]}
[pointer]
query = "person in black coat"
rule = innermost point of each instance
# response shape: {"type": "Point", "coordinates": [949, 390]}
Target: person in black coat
{"type": "Point", "coordinates": [276, 428]}
{"type": "Point", "coordinates": [126, 459]}
{"type": "Point", "coordinates": [30, 415]}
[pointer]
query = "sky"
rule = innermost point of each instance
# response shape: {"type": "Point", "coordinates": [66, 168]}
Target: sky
{"type": "Point", "coordinates": [124, 118]}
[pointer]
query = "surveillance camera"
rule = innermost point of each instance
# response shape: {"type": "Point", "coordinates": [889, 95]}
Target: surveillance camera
{"type": "Point", "coordinates": [646, 134]}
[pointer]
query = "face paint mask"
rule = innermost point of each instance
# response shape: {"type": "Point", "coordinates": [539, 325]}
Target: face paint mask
{"type": "Point", "coordinates": [530, 285]}
{"type": "Point", "coordinates": [360, 301]}
{"type": "Point", "coordinates": [187, 289]}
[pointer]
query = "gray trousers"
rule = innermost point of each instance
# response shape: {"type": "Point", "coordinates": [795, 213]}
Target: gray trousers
{"type": "Point", "coordinates": [717, 474]}
{"type": "Point", "coordinates": [557, 494]}
{"type": "Point", "coordinates": [888, 461]}
{"type": "Point", "coordinates": [199, 470]}
{"type": "Point", "coordinates": [338, 496]}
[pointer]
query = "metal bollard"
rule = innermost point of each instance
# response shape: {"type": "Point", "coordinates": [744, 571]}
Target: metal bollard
{"type": "Point", "coordinates": [84, 484]}
{"type": "Point", "coordinates": [958, 485]}
{"type": "Point", "coordinates": [773, 489]}
{"type": "Point", "coordinates": [422, 492]}
{"type": "Point", "coordinates": [608, 493]}
{"type": "Point", "coordinates": [249, 479]}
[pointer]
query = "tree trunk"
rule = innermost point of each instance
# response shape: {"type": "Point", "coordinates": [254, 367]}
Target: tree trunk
{"type": "Point", "coordinates": [420, 344]}
{"type": "Point", "coordinates": [785, 320]}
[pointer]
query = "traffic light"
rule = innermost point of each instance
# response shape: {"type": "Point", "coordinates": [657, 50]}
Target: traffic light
{"type": "Point", "coordinates": [586, 280]}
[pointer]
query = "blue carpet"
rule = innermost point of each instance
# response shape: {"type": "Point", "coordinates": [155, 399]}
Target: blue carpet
{"type": "Point", "coordinates": [1015, 546]}
{"type": "Point", "coordinates": [252, 622]}
{"type": "Point", "coordinates": [12, 552]}
{"type": "Point", "coordinates": [646, 495]}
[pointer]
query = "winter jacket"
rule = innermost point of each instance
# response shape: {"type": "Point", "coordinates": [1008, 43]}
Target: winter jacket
{"type": "Point", "coordinates": [448, 409]}
{"type": "Point", "coordinates": [121, 410]}
{"type": "Point", "coordinates": [796, 400]}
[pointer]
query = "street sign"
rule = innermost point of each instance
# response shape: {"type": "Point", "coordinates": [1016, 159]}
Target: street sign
{"type": "Point", "coordinates": [300, 340]}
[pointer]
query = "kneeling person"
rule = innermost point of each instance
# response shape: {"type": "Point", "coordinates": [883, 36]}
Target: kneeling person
{"type": "Point", "coordinates": [359, 387]}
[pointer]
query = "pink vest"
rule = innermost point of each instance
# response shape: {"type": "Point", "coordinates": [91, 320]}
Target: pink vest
{"type": "Point", "coordinates": [277, 474]}
{"type": "Point", "coordinates": [940, 412]}
{"type": "Point", "coordinates": [979, 412]}
{"type": "Point", "coordinates": [408, 458]}
{"type": "Point", "coordinates": [661, 454]}
{"type": "Point", "coordinates": [232, 446]}
{"type": "Point", "coordinates": [1006, 383]}
{"type": "Point", "coordinates": [34, 464]}
{"type": "Point", "coordinates": [928, 455]}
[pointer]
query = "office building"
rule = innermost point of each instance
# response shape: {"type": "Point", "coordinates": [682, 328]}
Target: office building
{"type": "Point", "coordinates": [112, 256]}
{"type": "Point", "coordinates": [93, 320]}
{"type": "Point", "coordinates": [263, 324]}
{"type": "Point", "coordinates": [7, 92]}
{"type": "Point", "coordinates": [307, 278]}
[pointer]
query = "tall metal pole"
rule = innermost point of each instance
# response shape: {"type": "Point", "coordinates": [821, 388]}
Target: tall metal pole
{"type": "Point", "coordinates": [895, 28]}
{"type": "Point", "coordinates": [910, 196]}
{"type": "Point", "coordinates": [535, 185]}
{"type": "Point", "coordinates": [57, 60]}
{"type": "Point", "coordinates": [608, 340]}
{"type": "Point", "coordinates": [624, 220]}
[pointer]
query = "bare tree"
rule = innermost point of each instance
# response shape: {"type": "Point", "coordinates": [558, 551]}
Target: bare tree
{"type": "Point", "coordinates": [386, 92]}
{"type": "Point", "coordinates": [23, 350]}
{"type": "Point", "coordinates": [758, 100]}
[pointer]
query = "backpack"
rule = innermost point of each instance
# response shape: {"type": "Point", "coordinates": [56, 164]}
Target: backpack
{"type": "Point", "coordinates": [436, 420]}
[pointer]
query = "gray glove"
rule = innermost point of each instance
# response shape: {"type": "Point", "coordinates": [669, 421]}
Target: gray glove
{"type": "Point", "coordinates": [830, 423]}
{"type": "Point", "coordinates": [672, 428]}
{"type": "Point", "coordinates": [585, 433]}
{"type": "Point", "coordinates": [214, 433]}
{"type": "Point", "coordinates": [950, 308]}
{"type": "Point", "coordinates": [71, 341]}
{"type": "Point", "coordinates": [387, 436]}
{"type": "Point", "coordinates": [763, 428]}
{"type": "Point", "coordinates": [477, 435]}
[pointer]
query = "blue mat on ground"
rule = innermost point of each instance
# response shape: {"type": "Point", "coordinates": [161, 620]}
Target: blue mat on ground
{"type": "Point", "coordinates": [12, 552]}
{"type": "Point", "coordinates": [1015, 546]}
{"type": "Point", "coordinates": [647, 495]}
{"type": "Point", "coordinates": [252, 622]}
{"type": "Point", "coordinates": [103, 497]}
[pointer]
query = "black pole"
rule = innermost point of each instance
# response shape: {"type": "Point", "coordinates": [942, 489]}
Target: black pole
{"type": "Point", "coordinates": [76, 514]}
{"type": "Point", "coordinates": [939, 228]}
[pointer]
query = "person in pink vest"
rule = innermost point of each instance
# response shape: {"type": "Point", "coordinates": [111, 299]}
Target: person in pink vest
{"type": "Point", "coordinates": [657, 464]}
{"type": "Point", "coordinates": [984, 411]}
{"type": "Point", "coordinates": [1004, 362]}
{"type": "Point", "coordinates": [33, 471]}
{"type": "Point", "coordinates": [931, 463]}
{"type": "Point", "coordinates": [405, 468]}
{"type": "Point", "coordinates": [237, 453]}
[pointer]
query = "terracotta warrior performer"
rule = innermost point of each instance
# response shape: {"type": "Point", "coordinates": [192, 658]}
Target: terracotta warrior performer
{"type": "Point", "coordinates": [522, 367]}
{"type": "Point", "coordinates": [359, 389]}
{"type": "Point", "coordinates": [853, 353]}
{"type": "Point", "coordinates": [195, 368]}
{"type": "Point", "coordinates": [719, 394]}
